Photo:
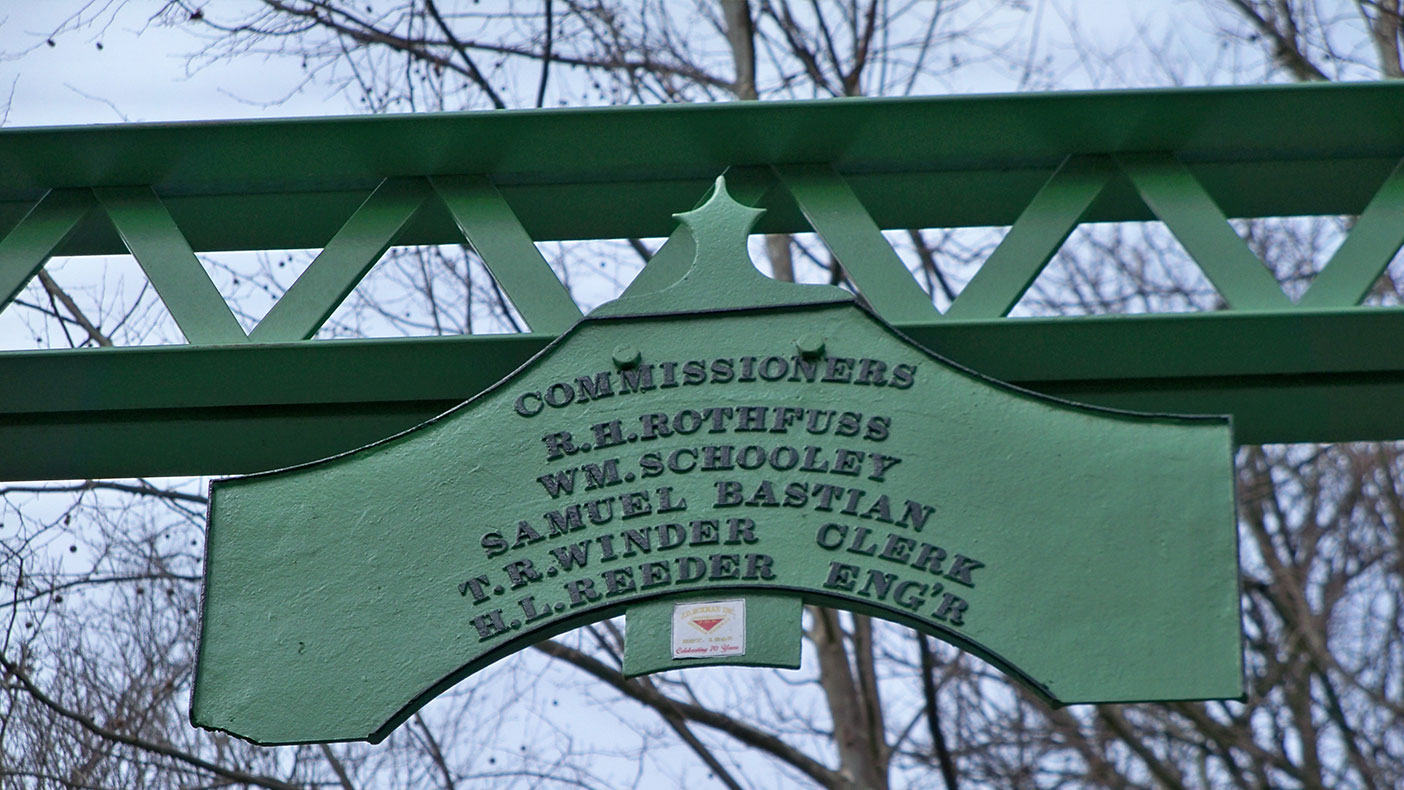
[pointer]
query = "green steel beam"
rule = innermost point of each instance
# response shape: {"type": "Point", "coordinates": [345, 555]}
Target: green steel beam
{"type": "Point", "coordinates": [1322, 370]}
{"type": "Point", "coordinates": [159, 247]}
{"type": "Point", "coordinates": [1033, 240]}
{"type": "Point", "coordinates": [508, 252]}
{"type": "Point", "coordinates": [1179, 200]}
{"type": "Point", "coordinates": [343, 262]}
{"type": "Point", "coordinates": [24, 251]}
{"type": "Point", "coordinates": [622, 172]}
{"type": "Point", "coordinates": [220, 410]}
{"type": "Point", "coordinates": [856, 241]}
{"type": "Point", "coordinates": [1366, 252]}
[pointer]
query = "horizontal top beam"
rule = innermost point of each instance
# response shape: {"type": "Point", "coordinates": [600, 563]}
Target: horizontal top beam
{"type": "Point", "coordinates": [620, 172]}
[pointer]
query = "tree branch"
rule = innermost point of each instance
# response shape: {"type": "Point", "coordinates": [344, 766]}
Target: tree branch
{"type": "Point", "coordinates": [473, 72]}
{"type": "Point", "coordinates": [663, 704]}
{"type": "Point", "coordinates": [1285, 48]}
{"type": "Point", "coordinates": [162, 749]}
{"type": "Point", "coordinates": [933, 714]}
{"type": "Point", "coordinates": [79, 317]}
{"type": "Point", "coordinates": [698, 747]}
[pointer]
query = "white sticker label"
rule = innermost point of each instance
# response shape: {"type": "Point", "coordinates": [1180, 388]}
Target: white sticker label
{"type": "Point", "coordinates": [709, 629]}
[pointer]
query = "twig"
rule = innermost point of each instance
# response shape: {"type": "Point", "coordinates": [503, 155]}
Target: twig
{"type": "Point", "coordinates": [473, 73]}
{"type": "Point", "coordinates": [652, 698]}
{"type": "Point", "coordinates": [162, 749]}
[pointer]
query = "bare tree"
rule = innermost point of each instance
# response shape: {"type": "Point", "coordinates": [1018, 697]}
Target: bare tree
{"type": "Point", "coordinates": [103, 577]}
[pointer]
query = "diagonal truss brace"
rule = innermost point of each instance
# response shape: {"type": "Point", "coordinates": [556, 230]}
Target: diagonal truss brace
{"type": "Point", "coordinates": [1034, 239]}
{"type": "Point", "coordinates": [28, 246]}
{"type": "Point", "coordinates": [1362, 258]}
{"type": "Point", "coordinates": [343, 263]}
{"type": "Point", "coordinates": [151, 235]}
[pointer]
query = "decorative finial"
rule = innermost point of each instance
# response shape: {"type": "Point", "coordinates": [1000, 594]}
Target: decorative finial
{"type": "Point", "coordinates": [720, 226]}
{"type": "Point", "coordinates": [722, 276]}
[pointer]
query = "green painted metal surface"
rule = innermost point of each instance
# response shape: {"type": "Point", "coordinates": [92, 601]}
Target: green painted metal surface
{"type": "Point", "coordinates": [240, 409]}
{"type": "Point", "coordinates": [163, 253]}
{"type": "Point", "coordinates": [719, 228]}
{"type": "Point", "coordinates": [508, 252]}
{"type": "Point", "coordinates": [778, 440]}
{"type": "Point", "coordinates": [25, 249]}
{"type": "Point", "coordinates": [841, 221]}
{"type": "Point", "coordinates": [1179, 200]}
{"type": "Point", "coordinates": [345, 260]}
{"type": "Point", "coordinates": [621, 172]}
{"type": "Point", "coordinates": [1034, 238]}
{"type": "Point", "coordinates": [1325, 369]}
{"type": "Point", "coordinates": [1360, 261]}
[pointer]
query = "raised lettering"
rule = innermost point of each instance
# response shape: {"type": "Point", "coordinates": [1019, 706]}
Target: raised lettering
{"type": "Point", "coordinates": [881, 463]}
{"type": "Point", "coordinates": [728, 493]}
{"type": "Point", "coordinates": [879, 428]}
{"type": "Point", "coordinates": [691, 569]}
{"type": "Point", "coordinates": [903, 376]}
{"type": "Point", "coordinates": [897, 549]}
{"type": "Point", "coordinates": [562, 522]}
{"type": "Point", "coordinates": [741, 530]}
{"type": "Point", "coordinates": [838, 369]}
{"type": "Point", "coordinates": [759, 566]}
{"type": "Point", "coordinates": [831, 535]}
{"type": "Point", "coordinates": [654, 425]}
{"type": "Point", "coordinates": [529, 410]}
{"type": "Point", "coordinates": [477, 585]}
{"type": "Point", "coordinates": [558, 445]}
{"type": "Point", "coordinates": [870, 371]}
{"type": "Point", "coordinates": [636, 379]}
{"type": "Point", "coordinates": [860, 543]}
{"type": "Point", "coordinates": [879, 583]}
{"type": "Point", "coordinates": [665, 500]}
{"type": "Point", "coordinates": [705, 531]}
{"type": "Point", "coordinates": [494, 544]}
{"type": "Point", "coordinates": [571, 555]}
{"type": "Point", "coordinates": [916, 515]}
{"type": "Point", "coordinates": [529, 609]}
{"type": "Point", "coordinates": [909, 595]}
{"type": "Point", "coordinates": [654, 574]}
{"type": "Point", "coordinates": [960, 569]}
{"type": "Point", "coordinates": [608, 434]}
{"type": "Point", "coordinates": [594, 389]}
{"type": "Point", "coordinates": [556, 482]}
{"type": "Point", "coordinates": [618, 581]}
{"type": "Point", "coordinates": [634, 504]}
{"type": "Point", "coordinates": [751, 418]}
{"type": "Point", "coordinates": [581, 591]}
{"type": "Point", "coordinates": [951, 609]}
{"type": "Point", "coordinates": [725, 566]}
{"type": "Point", "coordinates": [489, 625]}
{"type": "Point", "coordinates": [521, 572]}
{"type": "Point", "coordinates": [841, 576]}
{"type": "Point", "coordinates": [601, 475]}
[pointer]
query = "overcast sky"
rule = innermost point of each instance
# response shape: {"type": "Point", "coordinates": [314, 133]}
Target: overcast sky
{"type": "Point", "coordinates": [141, 72]}
{"type": "Point", "coordinates": [125, 68]}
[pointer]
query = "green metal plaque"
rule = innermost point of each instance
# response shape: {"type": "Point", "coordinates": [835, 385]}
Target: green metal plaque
{"type": "Point", "coordinates": [724, 439]}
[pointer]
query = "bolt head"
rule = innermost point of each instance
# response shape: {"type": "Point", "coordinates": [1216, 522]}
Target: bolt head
{"type": "Point", "coordinates": [810, 345]}
{"type": "Point", "coordinates": [626, 356]}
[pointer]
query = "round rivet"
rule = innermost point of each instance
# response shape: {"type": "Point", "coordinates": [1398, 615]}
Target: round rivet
{"type": "Point", "coordinates": [626, 356]}
{"type": "Point", "coordinates": [810, 344]}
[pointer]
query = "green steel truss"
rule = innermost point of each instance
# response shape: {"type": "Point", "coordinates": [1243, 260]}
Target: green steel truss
{"type": "Point", "coordinates": [1320, 369]}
